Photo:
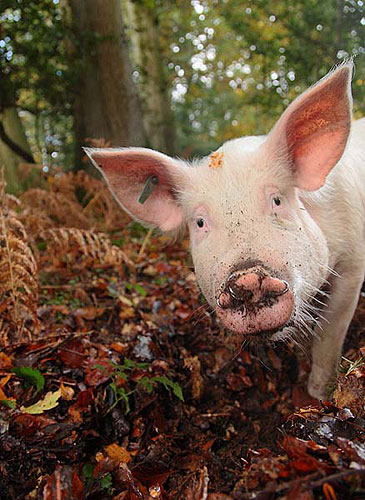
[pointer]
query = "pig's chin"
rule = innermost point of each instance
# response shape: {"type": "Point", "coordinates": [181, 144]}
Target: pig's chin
{"type": "Point", "coordinates": [265, 321]}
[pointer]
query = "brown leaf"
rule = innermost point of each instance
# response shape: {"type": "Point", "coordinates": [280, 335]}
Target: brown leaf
{"type": "Point", "coordinates": [192, 363]}
{"type": "Point", "coordinates": [98, 371]}
{"type": "Point", "coordinates": [84, 401]}
{"type": "Point", "coordinates": [117, 453]}
{"type": "Point", "coordinates": [306, 464]}
{"type": "Point", "coordinates": [5, 362]}
{"type": "Point", "coordinates": [67, 392]}
{"type": "Point", "coordinates": [72, 354]}
{"type": "Point", "coordinates": [89, 313]}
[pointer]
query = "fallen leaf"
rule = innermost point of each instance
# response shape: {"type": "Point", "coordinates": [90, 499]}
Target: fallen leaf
{"type": "Point", "coordinates": [67, 392]}
{"type": "Point", "coordinates": [118, 453]}
{"type": "Point", "coordinates": [89, 312]}
{"type": "Point", "coordinates": [5, 362]}
{"type": "Point", "coordinates": [49, 402]}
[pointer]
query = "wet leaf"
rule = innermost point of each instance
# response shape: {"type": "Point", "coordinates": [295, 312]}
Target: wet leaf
{"type": "Point", "coordinates": [49, 402]}
{"type": "Point", "coordinates": [30, 375]}
{"type": "Point", "coordinates": [118, 453]}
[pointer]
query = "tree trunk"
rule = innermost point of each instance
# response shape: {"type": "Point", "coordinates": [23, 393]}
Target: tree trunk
{"type": "Point", "coordinates": [106, 103]}
{"type": "Point", "coordinates": [15, 135]}
{"type": "Point", "coordinates": [143, 29]}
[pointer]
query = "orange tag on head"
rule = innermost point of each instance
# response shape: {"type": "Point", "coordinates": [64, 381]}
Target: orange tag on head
{"type": "Point", "coordinates": [216, 160]}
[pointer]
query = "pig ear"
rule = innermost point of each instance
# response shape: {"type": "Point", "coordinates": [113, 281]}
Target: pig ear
{"type": "Point", "coordinates": [313, 131]}
{"type": "Point", "coordinates": [144, 182]}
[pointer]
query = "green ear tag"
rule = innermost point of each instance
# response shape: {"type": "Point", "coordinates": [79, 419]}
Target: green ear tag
{"type": "Point", "coordinates": [149, 186]}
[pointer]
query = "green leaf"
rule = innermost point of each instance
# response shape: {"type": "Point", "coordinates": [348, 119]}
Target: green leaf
{"type": "Point", "coordinates": [129, 364]}
{"type": "Point", "coordinates": [30, 375]}
{"type": "Point", "coordinates": [106, 481]}
{"type": "Point", "coordinates": [176, 389]}
{"type": "Point", "coordinates": [169, 384]}
{"type": "Point", "coordinates": [88, 472]}
{"type": "Point", "coordinates": [138, 288]}
{"type": "Point", "coordinates": [120, 394]}
{"type": "Point", "coordinates": [146, 383]}
{"type": "Point", "coordinates": [8, 403]}
{"type": "Point", "coordinates": [42, 245]}
{"type": "Point", "coordinates": [119, 242]}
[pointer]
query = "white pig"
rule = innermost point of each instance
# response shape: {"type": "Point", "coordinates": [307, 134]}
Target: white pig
{"type": "Point", "coordinates": [273, 220]}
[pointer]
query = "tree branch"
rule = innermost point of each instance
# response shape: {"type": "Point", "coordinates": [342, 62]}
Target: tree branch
{"type": "Point", "coordinates": [14, 147]}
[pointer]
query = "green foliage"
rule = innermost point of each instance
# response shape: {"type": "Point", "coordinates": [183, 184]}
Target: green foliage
{"type": "Point", "coordinates": [352, 365]}
{"type": "Point", "coordinates": [233, 65]}
{"type": "Point", "coordinates": [147, 382]}
{"type": "Point", "coordinates": [137, 287]}
{"type": "Point", "coordinates": [31, 376]}
{"type": "Point", "coordinates": [106, 482]}
{"type": "Point", "coordinates": [8, 403]}
{"type": "Point", "coordinates": [87, 473]}
{"type": "Point", "coordinates": [37, 72]}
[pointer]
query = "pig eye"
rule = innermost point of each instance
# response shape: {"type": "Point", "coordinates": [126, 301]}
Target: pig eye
{"type": "Point", "coordinates": [200, 222]}
{"type": "Point", "coordinates": [277, 201]}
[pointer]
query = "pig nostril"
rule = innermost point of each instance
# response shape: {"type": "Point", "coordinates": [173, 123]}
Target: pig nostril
{"type": "Point", "coordinates": [220, 305]}
{"type": "Point", "coordinates": [232, 293]}
{"type": "Point", "coordinates": [281, 292]}
{"type": "Point", "coordinates": [240, 294]}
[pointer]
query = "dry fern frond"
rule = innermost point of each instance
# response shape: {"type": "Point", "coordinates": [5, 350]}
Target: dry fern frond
{"type": "Point", "coordinates": [61, 209]}
{"type": "Point", "coordinates": [18, 279]}
{"type": "Point", "coordinates": [80, 249]}
{"type": "Point", "coordinates": [72, 200]}
{"type": "Point", "coordinates": [35, 221]}
{"type": "Point", "coordinates": [98, 203]}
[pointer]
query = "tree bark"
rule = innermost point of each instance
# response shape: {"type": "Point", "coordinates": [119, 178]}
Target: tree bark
{"type": "Point", "coordinates": [13, 134]}
{"type": "Point", "coordinates": [106, 103]}
{"type": "Point", "coordinates": [143, 29]}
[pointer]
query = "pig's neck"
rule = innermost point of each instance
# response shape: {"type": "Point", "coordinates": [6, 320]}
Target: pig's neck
{"type": "Point", "coordinates": [339, 207]}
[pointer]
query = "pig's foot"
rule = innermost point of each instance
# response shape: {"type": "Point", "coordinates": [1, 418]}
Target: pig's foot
{"type": "Point", "coordinates": [321, 383]}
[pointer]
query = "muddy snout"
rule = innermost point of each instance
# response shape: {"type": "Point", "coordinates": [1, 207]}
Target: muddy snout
{"type": "Point", "coordinates": [252, 301]}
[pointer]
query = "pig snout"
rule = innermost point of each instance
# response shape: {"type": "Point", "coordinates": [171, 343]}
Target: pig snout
{"type": "Point", "coordinates": [253, 302]}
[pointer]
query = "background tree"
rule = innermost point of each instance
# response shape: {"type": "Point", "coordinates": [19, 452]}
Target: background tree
{"type": "Point", "coordinates": [174, 75]}
{"type": "Point", "coordinates": [236, 64]}
{"type": "Point", "coordinates": [106, 102]}
{"type": "Point", "coordinates": [142, 19]}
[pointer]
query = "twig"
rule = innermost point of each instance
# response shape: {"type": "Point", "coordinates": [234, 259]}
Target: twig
{"type": "Point", "coordinates": [91, 203]}
{"type": "Point", "coordinates": [315, 484]}
{"type": "Point", "coordinates": [336, 477]}
{"type": "Point", "coordinates": [144, 244]}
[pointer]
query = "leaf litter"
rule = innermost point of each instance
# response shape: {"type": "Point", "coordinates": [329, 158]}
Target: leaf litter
{"type": "Point", "coordinates": [116, 382]}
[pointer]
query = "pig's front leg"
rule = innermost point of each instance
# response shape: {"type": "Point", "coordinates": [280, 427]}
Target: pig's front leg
{"type": "Point", "coordinates": [328, 344]}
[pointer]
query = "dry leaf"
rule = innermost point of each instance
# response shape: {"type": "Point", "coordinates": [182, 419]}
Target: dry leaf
{"type": "Point", "coordinates": [118, 453]}
{"type": "Point", "coordinates": [67, 392]}
{"type": "Point", "coordinates": [49, 401]}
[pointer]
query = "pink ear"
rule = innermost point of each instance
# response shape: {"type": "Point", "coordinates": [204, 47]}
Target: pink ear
{"type": "Point", "coordinates": [127, 170]}
{"type": "Point", "coordinates": [313, 131]}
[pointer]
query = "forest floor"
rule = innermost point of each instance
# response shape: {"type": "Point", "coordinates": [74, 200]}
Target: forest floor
{"type": "Point", "coordinates": [116, 382]}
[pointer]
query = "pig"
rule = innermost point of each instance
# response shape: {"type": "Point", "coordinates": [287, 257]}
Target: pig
{"type": "Point", "coordinates": [276, 222]}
